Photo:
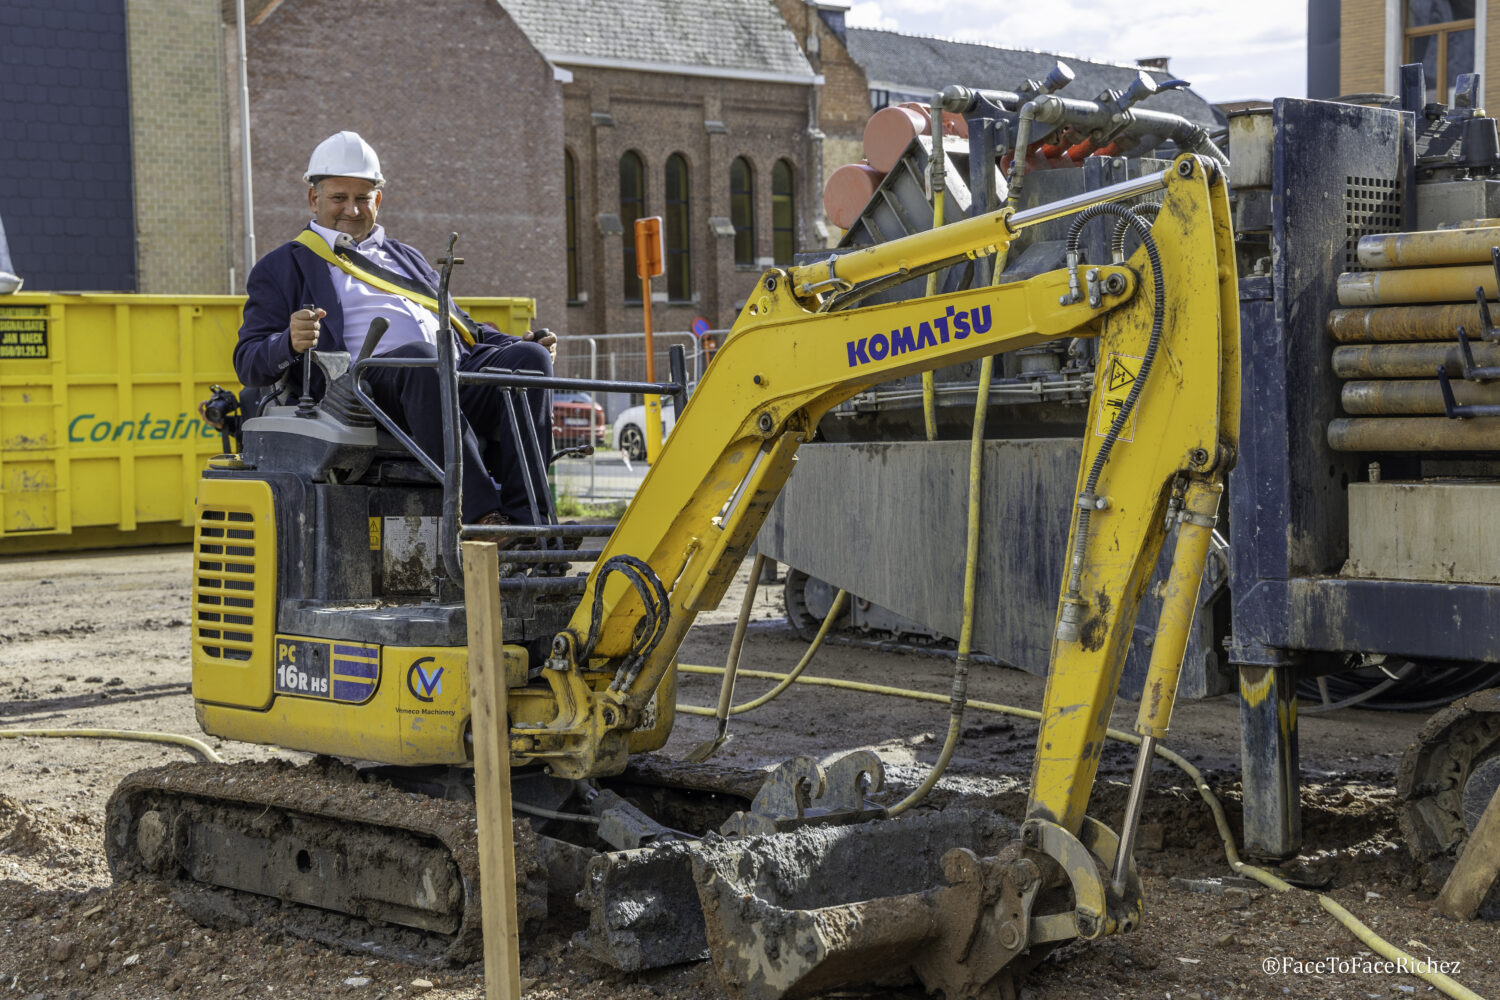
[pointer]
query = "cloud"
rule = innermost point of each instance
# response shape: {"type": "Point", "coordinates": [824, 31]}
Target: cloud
{"type": "Point", "coordinates": [869, 14]}
{"type": "Point", "coordinates": [1226, 50]}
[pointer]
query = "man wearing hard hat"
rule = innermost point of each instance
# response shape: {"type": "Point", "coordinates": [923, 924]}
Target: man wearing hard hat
{"type": "Point", "coordinates": [324, 288]}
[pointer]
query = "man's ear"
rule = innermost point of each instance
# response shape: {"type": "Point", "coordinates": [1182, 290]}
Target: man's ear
{"type": "Point", "coordinates": [312, 197]}
{"type": "Point", "coordinates": [379, 196]}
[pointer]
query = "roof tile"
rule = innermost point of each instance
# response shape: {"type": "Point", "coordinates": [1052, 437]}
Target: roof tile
{"type": "Point", "coordinates": [918, 64]}
{"type": "Point", "coordinates": [737, 35]}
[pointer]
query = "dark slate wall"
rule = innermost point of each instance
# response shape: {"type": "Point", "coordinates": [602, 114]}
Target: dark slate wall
{"type": "Point", "coordinates": [65, 174]}
{"type": "Point", "coordinates": [1323, 29]}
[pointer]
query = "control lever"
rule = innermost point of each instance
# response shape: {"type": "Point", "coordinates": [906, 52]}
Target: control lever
{"type": "Point", "coordinates": [677, 360]}
{"type": "Point", "coordinates": [306, 405]}
{"type": "Point", "coordinates": [378, 326]}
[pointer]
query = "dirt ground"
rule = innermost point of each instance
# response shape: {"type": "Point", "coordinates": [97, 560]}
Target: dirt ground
{"type": "Point", "coordinates": [101, 641]}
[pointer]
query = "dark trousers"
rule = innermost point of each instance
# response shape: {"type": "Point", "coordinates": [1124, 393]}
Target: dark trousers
{"type": "Point", "coordinates": [508, 452]}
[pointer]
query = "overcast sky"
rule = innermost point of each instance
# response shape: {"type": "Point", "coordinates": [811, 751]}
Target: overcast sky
{"type": "Point", "coordinates": [1227, 50]}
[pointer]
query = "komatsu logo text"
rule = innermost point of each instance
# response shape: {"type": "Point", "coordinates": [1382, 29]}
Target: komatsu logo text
{"type": "Point", "coordinates": [955, 324]}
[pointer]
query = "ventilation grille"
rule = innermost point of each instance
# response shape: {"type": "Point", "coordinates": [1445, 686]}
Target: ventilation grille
{"type": "Point", "coordinates": [1371, 205]}
{"type": "Point", "coordinates": [224, 602]}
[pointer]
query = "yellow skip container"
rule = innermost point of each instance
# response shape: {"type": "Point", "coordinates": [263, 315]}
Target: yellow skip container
{"type": "Point", "coordinates": [101, 443]}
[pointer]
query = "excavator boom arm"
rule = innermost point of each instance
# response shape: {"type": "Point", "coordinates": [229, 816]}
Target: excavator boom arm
{"type": "Point", "coordinates": [786, 363]}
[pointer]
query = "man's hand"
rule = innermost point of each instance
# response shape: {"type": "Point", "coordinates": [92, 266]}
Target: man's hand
{"type": "Point", "coordinates": [304, 328]}
{"type": "Point", "coordinates": [546, 338]}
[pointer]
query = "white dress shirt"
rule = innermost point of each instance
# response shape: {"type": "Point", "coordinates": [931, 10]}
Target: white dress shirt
{"type": "Point", "coordinates": [362, 303]}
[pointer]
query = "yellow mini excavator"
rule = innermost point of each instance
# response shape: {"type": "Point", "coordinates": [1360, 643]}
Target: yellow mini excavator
{"type": "Point", "coordinates": [328, 613]}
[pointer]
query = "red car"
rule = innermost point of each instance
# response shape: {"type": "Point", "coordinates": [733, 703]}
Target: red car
{"type": "Point", "coordinates": [572, 415]}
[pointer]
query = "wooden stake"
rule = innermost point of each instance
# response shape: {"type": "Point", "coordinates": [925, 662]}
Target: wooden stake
{"type": "Point", "coordinates": [1477, 867]}
{"type": "Point", "coordinates": [497, 849]}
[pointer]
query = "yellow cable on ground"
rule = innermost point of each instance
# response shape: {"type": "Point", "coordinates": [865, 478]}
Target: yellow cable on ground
{"type": "Point", "coordinates": [1353, 924]}
{"type": "Point", "coordinates": [197, 746]}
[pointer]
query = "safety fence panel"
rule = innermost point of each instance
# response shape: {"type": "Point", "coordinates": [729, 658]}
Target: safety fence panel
{"type": "Point", "coordinates": [613, 423]}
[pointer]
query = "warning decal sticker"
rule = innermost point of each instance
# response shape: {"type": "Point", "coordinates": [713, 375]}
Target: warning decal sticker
{"type": "Point", "coordinates": [1118, 375]}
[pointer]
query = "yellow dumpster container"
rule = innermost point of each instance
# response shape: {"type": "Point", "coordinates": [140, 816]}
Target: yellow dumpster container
{"type": "Point", "coordinates": [101, 444]}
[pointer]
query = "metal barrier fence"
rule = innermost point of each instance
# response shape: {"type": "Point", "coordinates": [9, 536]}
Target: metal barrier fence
{"type": "Point", "coordinates": [614, 425]}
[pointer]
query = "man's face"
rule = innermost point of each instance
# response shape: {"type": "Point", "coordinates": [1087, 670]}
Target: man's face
{"type": "Point", "coordinates": [345, 204]}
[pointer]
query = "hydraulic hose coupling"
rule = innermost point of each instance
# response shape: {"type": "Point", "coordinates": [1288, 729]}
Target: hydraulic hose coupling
{"type": "Point", "coordinates": [1070, 617]}
{"type": "Point", "coordinates": [1074, 293]}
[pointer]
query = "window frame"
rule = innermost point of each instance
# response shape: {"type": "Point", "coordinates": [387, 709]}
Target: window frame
{"type": "Point", "coordinates": [570, 217]}
{"type": "Point", "coordinates": [744, 197]}
{"type": "Point", "coordinates": [789, 198]}
{"type": "Point", "coordinates": [1440, 31]}
{"type": "Point", "coordinates": [678, 262]}
{"type": "Point", "coordinates": [627, 221]}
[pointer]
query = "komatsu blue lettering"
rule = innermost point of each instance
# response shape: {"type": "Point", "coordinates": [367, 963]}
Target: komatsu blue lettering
{"type": "Point", "coordinates": [961, 326]}
{"type": "Point", "coordinates": [951, 324]}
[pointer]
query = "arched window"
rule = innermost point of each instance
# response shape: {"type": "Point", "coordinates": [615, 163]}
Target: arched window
{"type": "Point", "coordinates": [679, 262]}
{"type": "Point", "coordinates": [1440, 36]}
{"type": "Point", "coordinates": [632, 207]}
{"type": "Point", "coordinates": [570, 195]}
{"type": "Point", "coordinates": [742, 210]}
{"type": "Point", "coordinates": [783, 213]}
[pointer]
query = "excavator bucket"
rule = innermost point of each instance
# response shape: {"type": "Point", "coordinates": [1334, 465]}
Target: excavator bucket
{"type": "Point", "coordinates": [794, 914]}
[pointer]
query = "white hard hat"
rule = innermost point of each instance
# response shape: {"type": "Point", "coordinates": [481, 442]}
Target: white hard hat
{"type": "Point", "coordinates": [344, 154]}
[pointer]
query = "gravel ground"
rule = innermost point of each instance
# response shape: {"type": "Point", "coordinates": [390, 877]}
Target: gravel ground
{"type": "Point", "coordinates": [101, 641]}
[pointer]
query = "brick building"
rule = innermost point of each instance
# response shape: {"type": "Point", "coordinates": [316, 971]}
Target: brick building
{"type": "Point", "coordinates": [700, 113]}
{"type": "Point", "coordinates": [844, 99]}
{"type": "Point", "coordinates": [1373, 38]}
{"type": "Point", "coordinates": [463, 110]}
{"type": "Point", "coordinates": [539, 131]}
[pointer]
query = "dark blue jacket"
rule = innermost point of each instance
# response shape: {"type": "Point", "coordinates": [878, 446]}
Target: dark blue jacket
{"type": "Point", "coordinates": [292, 276]}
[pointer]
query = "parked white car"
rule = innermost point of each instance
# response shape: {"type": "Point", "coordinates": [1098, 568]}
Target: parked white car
{"type": "Point", "coordinates": [630, 429]}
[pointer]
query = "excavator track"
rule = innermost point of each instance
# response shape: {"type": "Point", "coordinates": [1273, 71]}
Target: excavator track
{"type": "Point", "coordinates": [371, 867]}
{"type": "Point", "coordinates": [1447, 777]}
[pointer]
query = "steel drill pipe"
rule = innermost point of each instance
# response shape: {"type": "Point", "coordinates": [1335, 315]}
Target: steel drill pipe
{"type": "Point", "coordinates": [1414, 434]}
{"type": "Point", "coordinates": [1407, 360]}
{"type": "Point", "coordinates": [1401, 323]}
{"type": "Point", "coordinates": [1416, 396]}
{"type": "Point", "coordinates": [1434, 248]}
{"type": "Point", "coordinates": [1416, 284]}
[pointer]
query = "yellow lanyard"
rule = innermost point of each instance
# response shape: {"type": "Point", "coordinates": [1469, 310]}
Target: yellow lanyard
{"type": "Point", "coordinates": [319, 246]}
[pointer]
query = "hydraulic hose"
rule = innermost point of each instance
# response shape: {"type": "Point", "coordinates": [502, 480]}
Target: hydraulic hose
{"type": "Point", "coordinates": [567, 817]}
{"type": "Point", "coordinates": [960, 695]}
{"type": "Point", "coordinates": [937, 168]}
{"type": "Point", "coordinates": [1360, 930]}
{"type": "Point", "coordinates": [195, 745]}
{"type": "Point", "coordinates": [1070, 620]}
{"type": "Point", "coordinates": [960, 692]}
{"type": "Point", "coordinates": [1117, 242]}
{"type": "Point", "coordinates": [1018, 156]}
{"type": "Point", "coordinates": [785, 681]}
